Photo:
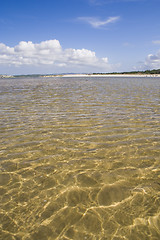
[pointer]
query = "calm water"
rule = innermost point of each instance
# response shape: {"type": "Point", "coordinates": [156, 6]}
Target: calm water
{"type": "Point", "coordinates": [80, 158]}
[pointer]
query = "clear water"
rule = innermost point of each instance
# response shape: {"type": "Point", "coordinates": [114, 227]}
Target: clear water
{"type": "Point", "coordinates": [79, 158]}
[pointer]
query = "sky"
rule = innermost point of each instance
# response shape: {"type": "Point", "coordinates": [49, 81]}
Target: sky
{"type": "Point", "coordinates": [79, 36]}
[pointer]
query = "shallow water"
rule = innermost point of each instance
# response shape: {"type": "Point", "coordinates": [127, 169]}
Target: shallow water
{"type": "Point", "coordinates": [80, 158]}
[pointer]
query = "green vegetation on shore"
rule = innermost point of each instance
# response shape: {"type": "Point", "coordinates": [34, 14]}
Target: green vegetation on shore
{"type": "Point", "coordinates": [154, 71]}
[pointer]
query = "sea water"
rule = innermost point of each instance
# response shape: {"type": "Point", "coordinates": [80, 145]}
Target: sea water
{"type": "Point", "coordinates": [79, 158]}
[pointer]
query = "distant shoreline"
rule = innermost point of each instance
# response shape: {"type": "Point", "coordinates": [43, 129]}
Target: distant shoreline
{"type": "Point", "coordinates": [146, 73]}
{"type": "Point", "coordinates": [110, 75]}
{"type": "Point", "coordinates": [80, 75]}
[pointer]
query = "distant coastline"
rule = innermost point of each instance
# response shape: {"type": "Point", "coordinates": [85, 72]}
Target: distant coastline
{"type": "Point", "coordinates": [110, 75]}
{"type": "Point", "coordinates": [147, 73]}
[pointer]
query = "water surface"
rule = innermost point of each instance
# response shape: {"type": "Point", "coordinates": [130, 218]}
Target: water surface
{"type": "Point", "coordinates": [79, 158]}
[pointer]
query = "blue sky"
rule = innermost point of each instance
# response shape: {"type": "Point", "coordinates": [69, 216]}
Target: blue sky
{"type": "Point", "coordinates": [56, 36]}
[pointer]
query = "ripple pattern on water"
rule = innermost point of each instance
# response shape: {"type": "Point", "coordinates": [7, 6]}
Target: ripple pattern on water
{"type": "Point", "coordinates": [79, 158]}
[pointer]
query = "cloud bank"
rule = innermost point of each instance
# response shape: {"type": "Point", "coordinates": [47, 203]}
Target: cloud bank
{"type": "Point", "coordinates": [50, 53]}
{"type": "Point", "coordinates": [153, 61]}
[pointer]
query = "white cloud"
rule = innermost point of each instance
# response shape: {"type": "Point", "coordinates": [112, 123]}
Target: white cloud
{"type": "Point", "coordinates": [153, 61]}
{"type": "Point", "coordinates": [96, 23]}
{"type": "Point", "coordinates": [156, 42]}
{"type": "Point", "coordinates": [51, 54]}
